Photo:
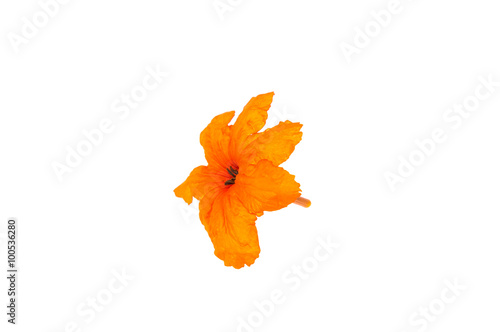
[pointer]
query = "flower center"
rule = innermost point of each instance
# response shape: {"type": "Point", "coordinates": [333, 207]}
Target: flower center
{"type": "Point", "coordinates": [233, 172]}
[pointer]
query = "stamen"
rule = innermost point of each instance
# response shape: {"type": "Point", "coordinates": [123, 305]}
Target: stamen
{"type": "Point", "coordinates": [304, 202]}
{"type": "Point", "coordinates": [229, 182]}
{"type": "Point", "coordinates": [232, 172]}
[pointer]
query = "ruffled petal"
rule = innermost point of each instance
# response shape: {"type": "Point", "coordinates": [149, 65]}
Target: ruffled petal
{"type": "Point", "coordinates": [230, 227]}
{"type": "Point", "coordinates": [215, 140]}
{"type": "Point", "coordinates": [265, 187]}
{"type": "Point", "coordinates": [276, 144]}
{"type": "Point", "coordinates": [201, 180]}
{"type": "Point", "coordinates": [252, 119]}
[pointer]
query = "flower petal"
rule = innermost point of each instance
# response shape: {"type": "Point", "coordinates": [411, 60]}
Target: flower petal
{"type": "Point", "coordinates": [215, 140]}
{"type": "Point", "coordinates": [201, 180]}
{"type": "Point", "coordinates": [230, 227]}
{"type": "Point", "coordinates": [276, 144]}
{"type": "Point", "coordinates": [265, 187]}
{"type": "Point", "coordinates": [250, 121]}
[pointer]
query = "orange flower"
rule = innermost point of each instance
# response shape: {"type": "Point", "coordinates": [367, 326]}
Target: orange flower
{"type": "Point", "coordinates": [243, 179]}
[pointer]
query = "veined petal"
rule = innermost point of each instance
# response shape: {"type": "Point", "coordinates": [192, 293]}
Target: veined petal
{"type": "Point", "coordinates": [276, 144]}
{"type": "Point", "coordinates": [230, 227]}
{"type": "Point", "coordinates": [201, 180]}
{"type": "Point", "coordinates": [250, 121]}
{"type": "Point", "coordinates": [265, 187]}
{"type": "Point", "coordinates": [215, 140]}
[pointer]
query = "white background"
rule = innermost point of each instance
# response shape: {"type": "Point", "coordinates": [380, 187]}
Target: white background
{"type": "Point", "coordinates": [117, 210]}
